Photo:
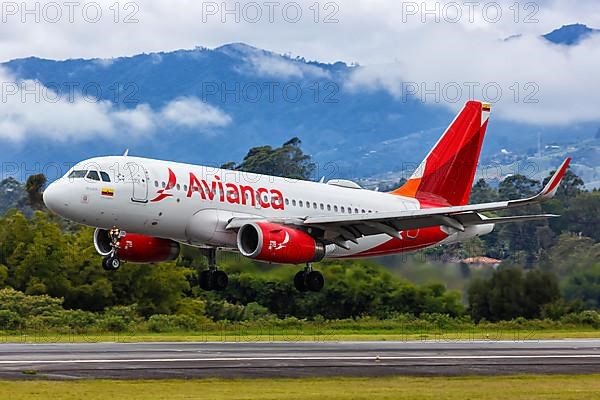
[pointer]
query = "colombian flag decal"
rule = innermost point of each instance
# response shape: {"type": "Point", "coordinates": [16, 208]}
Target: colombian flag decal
{"type": "Point", "coordinates": [108, 192]}
{"type": "Point", "coordinates": [486, 107]}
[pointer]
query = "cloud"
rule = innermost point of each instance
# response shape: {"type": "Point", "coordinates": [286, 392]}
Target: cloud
{"type": "Point", "coordinates": [391, 40]}
{"type": "Point", "coordinates": [270, 65]}
{"type": "Point", "coordinates": [529, 79]}
{"type": "Point", "coordinates": [31, 110]}
{"type": "Point", "coordinates": [189, 112]}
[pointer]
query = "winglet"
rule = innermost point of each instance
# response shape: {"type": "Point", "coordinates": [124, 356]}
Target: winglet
{"type": "Point", "coordinates": [552, 186]}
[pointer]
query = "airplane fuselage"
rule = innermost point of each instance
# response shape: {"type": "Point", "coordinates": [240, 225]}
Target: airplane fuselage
{"type": "Point", "coordinates": [193, 204]}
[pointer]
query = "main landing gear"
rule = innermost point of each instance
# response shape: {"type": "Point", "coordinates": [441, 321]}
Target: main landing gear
{"type": "Point", "coordinates": [212, 278]}
{"type": "Point", "coordinates": [111, 262]}
{"type": "Point", "coordinates": [309, 280]}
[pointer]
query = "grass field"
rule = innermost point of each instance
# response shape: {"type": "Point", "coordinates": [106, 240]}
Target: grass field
{"type": "Point", "coordinates": [480, 388]}
{"type": "Point", "coordinates": [299, 335]}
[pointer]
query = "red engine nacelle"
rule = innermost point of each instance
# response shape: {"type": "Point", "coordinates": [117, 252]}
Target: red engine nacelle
{"type": "Point", "coordinates": [137, 248]}
{"type": "Point", "coordinates": [276, 243]}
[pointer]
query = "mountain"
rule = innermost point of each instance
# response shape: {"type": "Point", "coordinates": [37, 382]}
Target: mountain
{"type": "Point", "coordinates": [534, 163]}
{"type": "Point", "coordinates": [267, 98]}
{"type": "Point", "coordinates": [13, 195]}
{"type": "Point", "coordinates": [570, 34]}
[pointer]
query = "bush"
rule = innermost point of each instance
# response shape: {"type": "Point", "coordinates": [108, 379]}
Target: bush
{"type": "Point", "coordinates": [170, 323]}
{"type": "Point", "coordinates": [26, 305]}
{"type": "Point", "coordinates": [78, 320]}
{"type": "Point", "coordinates": [3, 275]}
{"type": "Point", "coordinates": [114, 323]}
{"type": "Point", "coordinates": [128, 314]}
{"type": "Point", "coordinates": [224, 311]}
{"type": "Point", "coordinates": [589, 317]}
{"type": "Point", "coordinates": [254, 312]}
{"type": "Point", "coordinates": [9, 320]}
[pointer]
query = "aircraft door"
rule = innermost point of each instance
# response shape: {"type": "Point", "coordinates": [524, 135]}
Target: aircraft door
{"type": "Point", "coordinates": [139, 179]}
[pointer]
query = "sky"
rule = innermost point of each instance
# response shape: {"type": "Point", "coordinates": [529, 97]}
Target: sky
{"type": "Point", "coordinates": [441, 51]}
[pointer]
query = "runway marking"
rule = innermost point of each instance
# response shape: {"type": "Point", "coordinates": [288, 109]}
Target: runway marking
{"type": "Point", "coordinates": [306, 358]}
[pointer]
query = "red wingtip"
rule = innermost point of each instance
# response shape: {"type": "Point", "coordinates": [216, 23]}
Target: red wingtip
{"type": "Point", "coordinates": [552, 185]}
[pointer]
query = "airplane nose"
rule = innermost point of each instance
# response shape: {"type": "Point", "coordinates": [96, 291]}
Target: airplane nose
{"type": "Point", "coordinates": [55, 197]}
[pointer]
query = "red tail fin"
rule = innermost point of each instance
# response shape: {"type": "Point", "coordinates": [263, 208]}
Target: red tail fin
{"type": "Point", "coordinates": [446, 175]}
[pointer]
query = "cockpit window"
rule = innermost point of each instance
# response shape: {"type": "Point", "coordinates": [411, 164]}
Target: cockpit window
{"type": "Point", "coordinates": [93, 175]}
{"type": "Point", "coordinates": [78, 174]}
{"type": "Point", "coordinates": [104, 176]}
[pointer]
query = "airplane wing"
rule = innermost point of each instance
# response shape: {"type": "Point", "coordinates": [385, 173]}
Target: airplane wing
{"type": "Point", "coordinates": [342, 228]}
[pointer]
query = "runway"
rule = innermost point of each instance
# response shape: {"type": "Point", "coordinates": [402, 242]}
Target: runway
{"type": "Point", "coordinates": [296, 359]}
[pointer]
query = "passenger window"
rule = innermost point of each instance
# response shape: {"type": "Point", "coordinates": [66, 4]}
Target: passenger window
{"type": "Point", "coordinates": [335, 208]}
{"type": "Point", "coordinates": [315, 206]}
{"type": "Point", "coordinates": [294, 203]}
{"type": "Point", "coordinates": [287, 202]}
{"type": "Point", "coordinates": [155, 183]}
{"type": "Point", "coordinates": [343, 209]}
{"type": "Point", "coordinates": [300, 203]}
{"type": "Point", "coordinates": [328, 207]}
{"type": "Point", "coordinates": [93, 175]}
{"type": "Point", "coordinates": [349, 210]}
{"type": "Point", "coordinates": [178, 187]}
{"type": "Point", "coordinates": [105, 177]}
{"type": "Point", "coordinates": [356, 210]}
{"type": "Point", "coordinates": [185, 187]}
{"type": "Point", "coordinates": [308, 204]}
{"type": "Point", "coordinates": [322, 206]}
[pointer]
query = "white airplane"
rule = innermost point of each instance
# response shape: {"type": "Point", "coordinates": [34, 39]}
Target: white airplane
{"type": "Point", "coordinates": [143, 209]}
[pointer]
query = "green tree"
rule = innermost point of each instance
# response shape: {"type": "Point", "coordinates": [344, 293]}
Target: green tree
{"type": "Point", "coordinates": [509, 293]}
{"type": "Point", "coordinates": [583, 215]}
{"type": "Point", "coordinates": [482, 192]}
{"type": "Point", "coordinates": [520, 239]}
{"type": "Point", "coordinates": [34, 186]}
{"type": "Point", "coordinates": [584, 286]}
{"type": "Point", "coordinates": [517, 187]}
{"type": "Point", "coordinates": [570, 186]}
{"type": "Point", "coordinates": [287, 161]}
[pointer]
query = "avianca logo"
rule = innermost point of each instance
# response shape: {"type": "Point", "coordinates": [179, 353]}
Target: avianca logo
{"type": "Point", "coordinates": [273, 245]}
{"type": "Point", "coordinates": [225, 192]}
{"type": "Point", "coordinates": [161, 195]}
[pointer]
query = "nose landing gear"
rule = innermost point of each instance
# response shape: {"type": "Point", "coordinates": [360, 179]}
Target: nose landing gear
{"type": "Point", "coordinates": [111, 262]}
{"type": "Point", "coordinates": [212, 278]}
{"type": "Point", "coordinates": [309, 280]}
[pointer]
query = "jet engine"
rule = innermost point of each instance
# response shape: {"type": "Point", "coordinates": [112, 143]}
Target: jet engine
{"type": "Point", "coordinates": [265, 241]}
{"type": "Point", "coordinates": [137, 248]}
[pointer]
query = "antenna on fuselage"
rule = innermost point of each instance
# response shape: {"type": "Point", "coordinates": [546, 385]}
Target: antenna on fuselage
{"type": "Point", "coordinates": [126, 153]}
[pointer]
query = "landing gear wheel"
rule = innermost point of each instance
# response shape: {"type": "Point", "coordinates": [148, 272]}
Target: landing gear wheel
{"type": "Point", "coordinates": [213, 279]}
{"type": "Point", "coordinates": [300, 282]}
{"type": "Point", "coordinates": [309, 280]}
{"type": "Point", "coordinates": [105, 264]}
{"type": "Point", "coordinates": [315, 281]}
{"type": "Point", "coordinates": [111, 263]}
{"type": "Point", "coordinates": [205, 280]}
{"type": "Point", "coordinates": [219, 280]}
